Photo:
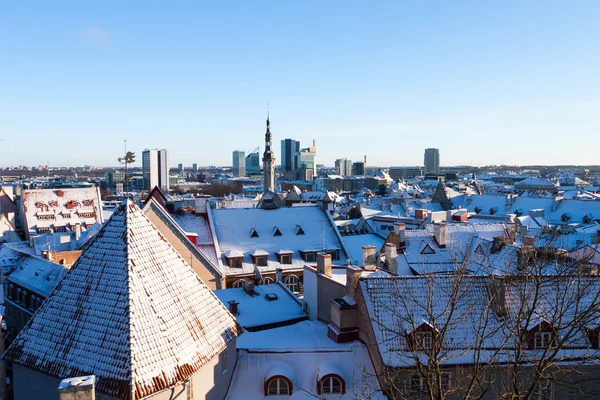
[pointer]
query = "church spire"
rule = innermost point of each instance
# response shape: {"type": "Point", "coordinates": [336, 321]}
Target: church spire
{"type": "Point", "coordinates": [268, 159]}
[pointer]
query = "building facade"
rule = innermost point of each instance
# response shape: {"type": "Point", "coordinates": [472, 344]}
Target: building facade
{"type": "Point", "coordinates": [432, 161]}
{"type": "Point", "coordinates": [155, 168]}
{"type": "Point", "coordinates": [239, 163]}
{"type": "Point", "coordinates": [343, 167]}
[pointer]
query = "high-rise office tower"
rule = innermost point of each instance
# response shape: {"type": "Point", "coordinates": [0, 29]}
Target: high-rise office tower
{"type": "Point", "coordinates": [239, 163]}
{"type": "Point", "coordinates": [253, 161]}
{"type": "Point", "coordinates": [358, 168]}
{"type": "Point", "coordinates": [269, 161]}
{"type": "Point", "coordinates": [432, 161]}
{"type": "Point", "coordinates": [290, 155]}
{"type": "Point", "coordinates": [307, 160]}
{"type": "Point", "coordinates": [195, 167]}
{"type": "Point", "coordinates": [343, 167]}
{"type": "Point", "coordinates": [155, 169]}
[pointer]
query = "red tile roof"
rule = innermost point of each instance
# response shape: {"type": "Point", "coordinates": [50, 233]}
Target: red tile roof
{"type": "Point", "coordinates": [131, 311]}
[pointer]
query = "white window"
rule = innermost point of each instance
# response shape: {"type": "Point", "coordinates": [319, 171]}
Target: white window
{"type": "Point", "coordinates": [278, 386]}
{"type": "Point", "coordinates": [331, 385]}
{"type": "Point", "coordinates": [416, 383]}
{"type": "Point", "coordinates": [293, 283]}
{"type": "Point", "coordinates": [425, 340]}
{"type": "Point", "coordinates": [542, 340]}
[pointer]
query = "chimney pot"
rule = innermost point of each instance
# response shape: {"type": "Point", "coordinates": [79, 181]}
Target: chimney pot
{"type": "Point", "coordinates": [353, 274]}
{"type": "Point", "coordinates": [279, 275]}
{"type": "Point", "coordinates": [233, 307]}
{"type": "Point", "coordinates": [391, 262]}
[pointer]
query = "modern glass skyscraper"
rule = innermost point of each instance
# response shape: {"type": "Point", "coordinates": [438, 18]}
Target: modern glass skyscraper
{"type": "Point", "coordinates": [239, 163]}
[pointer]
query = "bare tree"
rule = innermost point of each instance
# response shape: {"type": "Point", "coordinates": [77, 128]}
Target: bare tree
{"type": "Point", "coordinates": [511, 322]}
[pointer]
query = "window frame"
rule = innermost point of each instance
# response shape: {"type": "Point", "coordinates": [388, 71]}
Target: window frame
{"type": "Point", "coordinates": [288, 284]}
{"type": "Point", "coordinates": [280, 390]}
{"type": "Point", "coordinates": [329, 378]}
{"type": "Point", "coordinates": [543, 340]}
{"type": "Point", "coordinates": [424, 340]}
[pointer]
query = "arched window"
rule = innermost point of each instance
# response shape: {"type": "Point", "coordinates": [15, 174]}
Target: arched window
{"type": "Point", "coordinates": [331, 384]}
{"type": "Point", "coordinates": [266, 281]}
{"type": "Point", "coordinates": [239, 283]}
{"type": "Point", "coordinates": [277, 385]}
{"type": "Point", "coordinates": [293, 283]}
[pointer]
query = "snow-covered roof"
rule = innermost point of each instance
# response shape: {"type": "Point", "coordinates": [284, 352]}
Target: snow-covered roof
{"type": "Point", "coordinates": [257, 310]}
{"type": "Point", "coordinates": [37, 275]}
{"type": "Point", "coordinates": [403, 303]}
{"type": "Point", "coordinates": [302, 353]}
{"type": "Point", "coordinates": [66, 207]}
{"type": "Point", "coordinates": [112, 317]}
{"type": "Point", "coordinates": [354, 244]}
{"type": "Point", "coordinates": [249, 230]}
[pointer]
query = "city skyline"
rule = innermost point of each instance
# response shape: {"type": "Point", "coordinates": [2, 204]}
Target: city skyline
{"type": "Point", "coordinates": [386, 82]}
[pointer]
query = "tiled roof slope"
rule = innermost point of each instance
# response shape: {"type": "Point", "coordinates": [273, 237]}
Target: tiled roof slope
{"type": "Point", "coordinates": [130, 311]}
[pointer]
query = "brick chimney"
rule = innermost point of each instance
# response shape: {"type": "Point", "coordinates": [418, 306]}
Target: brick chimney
{"type": "Point", "coordinates": [369, 258]}
{"type": "Point", "coordinates": [439, 234]}
{"type": "Point", "coordinates": [80, 388]}
{"type": "Point", "coordinates": [343, 327]}
{"type": "Point", "coordinates": [353, 274]}
{"type": "Point", "coordinates": [400, 229]}
{"type": "Point", "coordinates": [391, 263]}
{"type": "Point", "coordinates": [324, 264]}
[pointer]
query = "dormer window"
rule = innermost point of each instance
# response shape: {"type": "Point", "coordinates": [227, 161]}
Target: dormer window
{"type": "Point", "coordinates": [427, 250]}
{"type": "Point", "coordinates": [259, 258]}
{"type": "Point", "coordinates": [479, 250]}
{"type": "Point", "coordinates": [87, 215]}
{"type": "Point", "coordinates": [331, 384]}
{"type": "Point", "coordinates": [253, 233]}
{"type": "Point", "coordinates": [276, 231]}
{"type": "Point", "coordinates": [299, 230]}
{"type": "Point", "coordinates": [278, 385]}
{"type": "Point", "coordinates": [66, 215]}
{"type": "Point", "coordinates": [424, 340]}
{"type": "Point", "coordinates": [493, 210]}
{"type": "Point", "coordinates": [309, 256]}
{"type": "Point", "coordinates": [284, 256]}
{"type": "Point", "coordinates": [543, 340]}
{"type": "Point", "coordinates": [565, 217]}
{"type": "Point", "coordinates": [234, 258]}
{"type": "Point", "coordinates": [477, 210]}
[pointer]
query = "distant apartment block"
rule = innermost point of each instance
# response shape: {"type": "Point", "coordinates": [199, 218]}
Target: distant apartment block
{"type": "Point", "coordinates": [343, 167]}
{"type": "Point", "coordinates": [405, 172]}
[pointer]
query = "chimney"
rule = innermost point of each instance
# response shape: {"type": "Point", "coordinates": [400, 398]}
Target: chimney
{"type": "Point", "coordinates": [353, 274]}
{"type": "Point", "coordinates": [511, 229]}
{"type": "Point", "coordinates": [77, 230]}
{"type": "Point", "coordinates": [278, 275]}
{"type": "Point", "coordinates": [510, 218]}
{"type": "Point", "coordinates": [233, 307]}
{"type": "Point", "coordinates": [400, 229]}
{"type": "Point", "coordinates": [497, 296]}
{"type": "Point", "coordinates": [382, 206]}
{"type": "Point", "coordinates": [369, 258]}
{"type": "Point", "coordinates": [391, 263]}
{"type": "Point", "coordinates": [343, 327]}
{"type": "Point", "coordinates": [81, 388]}
{"type": "Point", "coordinates": [421, 213]}
{"type": "Point", "coordinates": [192, 236]}
{"type": "Point", "coordinates": [47, 255]}
{"type": "Point", "coordinates": [324, 264]}
{"type": "Point", "coordinates": [439, 233]}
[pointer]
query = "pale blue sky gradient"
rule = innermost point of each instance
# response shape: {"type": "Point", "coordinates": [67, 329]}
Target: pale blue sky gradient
{"type": "Point", "coordinates": [512, 82]}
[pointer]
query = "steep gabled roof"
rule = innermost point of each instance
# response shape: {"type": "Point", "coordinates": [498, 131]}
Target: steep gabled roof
{"type": "Point", "coordinates": [131, 311]}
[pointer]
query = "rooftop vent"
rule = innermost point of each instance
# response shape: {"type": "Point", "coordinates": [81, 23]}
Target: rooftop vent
{"type": "Point", "coordinates": [271, 296]}
{"type": "Point", "coordinates": [233, 307]}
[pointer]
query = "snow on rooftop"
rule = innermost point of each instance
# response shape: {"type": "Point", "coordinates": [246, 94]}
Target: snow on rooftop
{"type": "Point", "coordinates": [257, 310]}
{"type": "Point", "coordinates": [302, 353]}
{"type": "Point", "coordinates": [112, 315]}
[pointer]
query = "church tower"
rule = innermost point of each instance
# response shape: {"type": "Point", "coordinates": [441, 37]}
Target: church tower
{"type": "Point", "coordinates": [269, 160]}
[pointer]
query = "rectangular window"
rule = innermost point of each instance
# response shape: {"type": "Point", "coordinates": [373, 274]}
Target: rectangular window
{"type": "Point", "coordinates": [261, 261]}
{"type": "Point", "coordinates": [445, 382]}
{"type": "Point", "coordinates": [543, 391]}
{"type": "Point", "coordinates": [416, 383]}
{"type": "Point", "coordinates": [235, 263]}
{"type": "Point", "coordinates": [543, 340]}
{"type": "Point", "coordinates": [310, 257]}
{"type": "Point", "coordinates": [335, 255]}
{"type": "Point", "coordinates": [286, 259]}
{"type": "Point", "coordinates": [425, 340]}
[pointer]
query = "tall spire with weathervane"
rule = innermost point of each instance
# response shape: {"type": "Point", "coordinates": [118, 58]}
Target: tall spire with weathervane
{"type": "Point", "coordinates": [269, 160]}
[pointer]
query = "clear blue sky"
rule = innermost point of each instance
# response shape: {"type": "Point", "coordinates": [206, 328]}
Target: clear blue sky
{"type": "Point", "coordinates": [489, 82]}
